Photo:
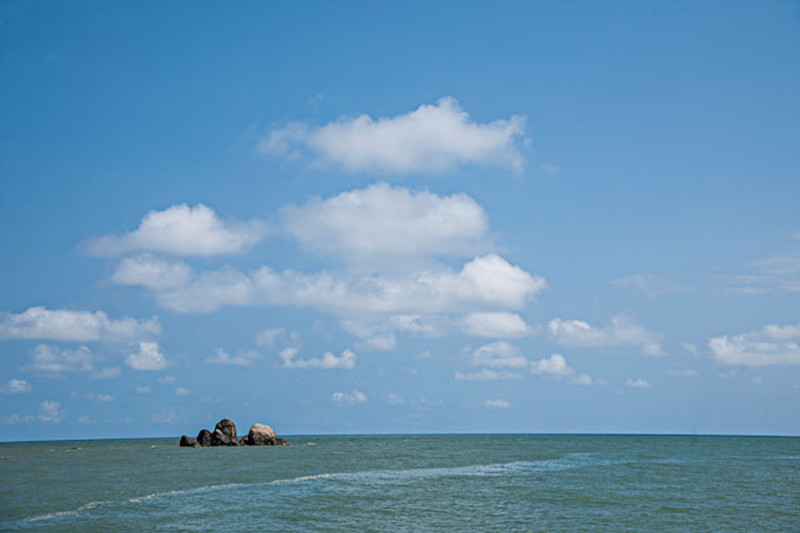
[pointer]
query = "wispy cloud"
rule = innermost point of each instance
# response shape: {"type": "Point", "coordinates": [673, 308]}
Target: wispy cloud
{"type": "Point", "coordinates": [772, 345]}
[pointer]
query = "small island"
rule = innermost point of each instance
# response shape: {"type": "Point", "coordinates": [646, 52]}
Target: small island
{"type": "Point", "coordinates": [224, 434]}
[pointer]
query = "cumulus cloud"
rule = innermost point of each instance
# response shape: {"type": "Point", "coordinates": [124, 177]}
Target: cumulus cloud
{"type": "Point", "coordinates": [487, 282]}
{"type": "Point", "coordinates": [486, 374]}
{"type": "Point", "coordinates": [498, 354]}
{"type": "Point", "coordinates": [16, 386]}
{"type": "Point", "coordinates": [771, 345]}
{"type": "Point", "coordinates": [350, 398]}
{"type": "Point", "coordinates": [430, 139]}
{"type": "Point", "coordinates": [383, 223]}
{"type": "Point", "coordinates": [50, 411]}
{"type": "Point", "coordinates": [77, 326]}
{"type": "Point", "coordinates": [497, 325]}
{"type": "Point", "coordinates": [221, 357]}
{"type": "Point", "coordinates": [620, 332]}
{"type": "Point", "coordinates": [555, 366]}
{"type": "Point", "coordinates": [328, 361]}
{"type": "Point", "coordinates": [496, 404]}
{"type": "Point", "coordinates": [149, 357]}
{"type": "Point", "coordinates": [148, 271]}
{"type": "Point", "coordinates": [638, 383]}
{"type": "Point", "coordinates": [181, 230]}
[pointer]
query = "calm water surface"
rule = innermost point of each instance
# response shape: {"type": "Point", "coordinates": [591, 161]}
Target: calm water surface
{"type": "Point", "coordinates": [406, 483]}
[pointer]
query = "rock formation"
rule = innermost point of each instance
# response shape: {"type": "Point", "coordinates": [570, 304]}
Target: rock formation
{"type": "Point", "coordinates": [224, 434]}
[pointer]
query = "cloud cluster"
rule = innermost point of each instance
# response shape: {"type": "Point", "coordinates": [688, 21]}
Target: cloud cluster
{"type": "Point", "coordinates": [620, 332]}
{"type": "Point", "coordinates": [349, 398]}
{"type": "Point", "coordinates": [486, 282]}
{"type": "Point", "coordinates": [75, 326]}
{"type": "Point", "coordinates": [430, 139]}
{"type": "Point", "coordinates": [221, 357]}
{"type": "Point", "coordinates": [328, 361]}
{"type": "Point", "coordinates": [771, 345]}
{"type": "Point", "coordinates": [181, 230]}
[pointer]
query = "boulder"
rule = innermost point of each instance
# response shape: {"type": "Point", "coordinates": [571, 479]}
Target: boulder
{"type": "Point", "coordinates": [204, 437]}
{"type": "Point", "coordinates": [261, 435]}
{"type": "Point", "coordinates": [228, 428]}
{"type": "Point", "coordinates": [280, 442]}
{"type": "Point", "coordinates": [218, 438]}
{"type": "Point", "coordinates": [189, 442]}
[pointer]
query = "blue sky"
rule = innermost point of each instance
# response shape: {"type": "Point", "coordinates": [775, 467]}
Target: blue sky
{"type": "Point", "coordinates": [358, 217]}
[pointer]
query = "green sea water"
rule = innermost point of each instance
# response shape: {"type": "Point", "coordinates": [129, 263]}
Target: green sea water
{"type": "Point", "coordinates": [406, 483]}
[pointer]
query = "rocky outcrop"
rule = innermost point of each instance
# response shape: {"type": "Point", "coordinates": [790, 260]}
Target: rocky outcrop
{"type": "Point", "coordinates": [190, 442]}
{"type": "Point", "coordinates": [224, 434]}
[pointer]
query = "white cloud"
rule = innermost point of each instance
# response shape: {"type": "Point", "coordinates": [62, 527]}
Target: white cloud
{"type": "Point", "coordinates": [77, 326]}
{"type": "Point", "coordinates": [166, 380]}
{"type": "Point", "coordinates": [182, 391]}
{"type": "Point", "coordinates": [771, 345]}
{"type": "Point", "coordinates": [497, 404]}
{"type": "Point", "coordinates": [638, 383]}
{"type": "Point", "coordinates": [328, 361]}
{"type": "Point", "coordinates": [498, 354]}
{"type": "Point", "coordinates": [181, 230]}
{"type": "Point", "coordinates": [497, 325]}
{"type": "Point", "coordinates": [221, 357]}
{"type": "Point", "coordinates": [47, 359]}
{"type": "Point", "coordinates": [485, 374]}
{"type": "Point", "coordinates": [757, 381]}
{"type": "Point", "coordinates": [16, 386]}
{"type": "Point", "coordinates": [430, 139]}
{"type": "Point", "coordinates": [50, 411]}
{"type": "Point", "coordinates": [383, 223]}
{"type": "Point", "coordinates": [620, 332]}
{"type": "Point", "coordinates": [378, 333]}
{"type": "Point", "coordinates": [350, 398]}
{"type": "Point", "coordinates": [267, 337]}
{"type": "Point", "coordinates": [149, 357]}
{"type": "Point", "coordinates": [555, 366]}
{"type": "Point", "coordinates": [152, 273]}
{"type": "Point", "coordinates": [143, 389]}
{"type": "Point", "coordinates": [487, 282]}
{"type": "Point", "coordinates": [586, 379]}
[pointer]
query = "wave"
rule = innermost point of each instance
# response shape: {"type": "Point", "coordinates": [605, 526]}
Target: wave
{"type": "Point", "coordinates": [567, 462]}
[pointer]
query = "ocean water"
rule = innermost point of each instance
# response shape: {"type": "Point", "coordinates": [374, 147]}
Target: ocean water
{"type": "Point", "coordinates": [406, 483]}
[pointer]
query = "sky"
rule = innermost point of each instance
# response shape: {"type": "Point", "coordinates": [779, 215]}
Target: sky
{"type": "Point", "coordinates": [375, 217]}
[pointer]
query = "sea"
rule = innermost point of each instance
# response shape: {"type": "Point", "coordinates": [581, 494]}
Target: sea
{"type": "Point", "coordinates": [406, 483]}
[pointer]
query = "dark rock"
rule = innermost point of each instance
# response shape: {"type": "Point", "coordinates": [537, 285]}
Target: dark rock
{"type": "Point", "coordinates": [189, 442]}
{"type": "Point", "coordinates": [260, 435]}
{"type": "Point", "coordinates": [204, 437]}
{"type": "Point", "coordinates": [280, 442]}
{"type": "Point", "coordinates": [218, 438]}
{"type": "Point", "coordinates": [228, 428]}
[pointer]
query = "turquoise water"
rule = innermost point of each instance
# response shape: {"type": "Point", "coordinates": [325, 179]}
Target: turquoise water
{"type": "Point", "coordinates": [406, 483]}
